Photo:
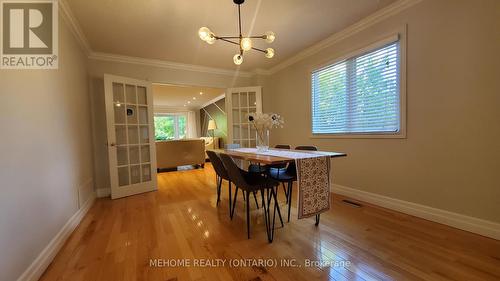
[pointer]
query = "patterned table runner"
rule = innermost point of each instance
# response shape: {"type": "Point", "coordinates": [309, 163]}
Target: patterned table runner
{"type": "Point", "coordinates": [313, 179]}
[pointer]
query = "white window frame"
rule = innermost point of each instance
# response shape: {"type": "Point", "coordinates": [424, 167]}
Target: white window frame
{"type": "Point", "coordinates": [399, 36]}
{"type": "Point", "coordinates": [176, 122]}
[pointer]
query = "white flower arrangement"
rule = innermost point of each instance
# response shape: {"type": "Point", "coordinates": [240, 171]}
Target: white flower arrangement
{"type": "Point", "coordinates": [261, 121]}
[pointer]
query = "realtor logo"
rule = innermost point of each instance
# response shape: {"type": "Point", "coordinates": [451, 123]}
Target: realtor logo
{"type": "Point", "coordinates": [29, 36]}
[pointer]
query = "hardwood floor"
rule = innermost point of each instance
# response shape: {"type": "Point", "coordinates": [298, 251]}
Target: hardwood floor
{"type": "Point", "coordinates": [117, 239]}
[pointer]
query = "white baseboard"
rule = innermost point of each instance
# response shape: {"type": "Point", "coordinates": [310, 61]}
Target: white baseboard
{"type": "Point", "coordinates": [103, 192]}
{"type": "Point", "coordinates": [36, 269]}
{"type": "Point", "coordinates": [463, 222]}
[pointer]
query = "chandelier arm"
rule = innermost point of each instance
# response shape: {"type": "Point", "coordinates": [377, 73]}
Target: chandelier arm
{"type": "Point", "coordinates": [227, 37]}
{"type": "Point", "coordinates": [229, 41]}
{"type": "Point", "coordinates": [237, 37]}
{"type": "Point", "coordinates": [260, 50]}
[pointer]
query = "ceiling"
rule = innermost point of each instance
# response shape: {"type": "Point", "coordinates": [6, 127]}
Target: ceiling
{"type": "Point", "coordinates": [189, 97]}
{"type": "Point", "coordinates": [168, 29]}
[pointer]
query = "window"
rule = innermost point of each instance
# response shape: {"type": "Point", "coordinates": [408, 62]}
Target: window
{"type": "Point", "coordinates": [170, 127]}
{"type": "Point", "coordinates": [359, 95]}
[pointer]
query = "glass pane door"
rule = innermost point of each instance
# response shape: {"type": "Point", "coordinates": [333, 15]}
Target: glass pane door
{"type": "Point", "coordinates": [132, 134]}
{"type": "Point", "coordinates": [131, 147]}
{"type": "Point", "coordinates": [242, 102]}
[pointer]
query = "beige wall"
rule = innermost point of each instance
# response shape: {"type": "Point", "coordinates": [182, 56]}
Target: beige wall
{"type": "Point", "coordinates": [143, 72]}
{"type": "Point", "coordinates": [451, 156]}
{"type": "Point", "coordinates": [45, 154]}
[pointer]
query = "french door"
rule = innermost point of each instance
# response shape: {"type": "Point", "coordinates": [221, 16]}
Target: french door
{"type": "Point", "coordinates": [239, 103]}
{"type": "Point", "coordinates": [130, 127]}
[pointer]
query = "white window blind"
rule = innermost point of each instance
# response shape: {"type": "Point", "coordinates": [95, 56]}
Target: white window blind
{"type": "Point", "coordinates": [359, 95]}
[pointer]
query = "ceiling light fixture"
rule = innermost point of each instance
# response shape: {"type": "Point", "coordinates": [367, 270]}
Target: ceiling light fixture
{"type": "Point", "coordinates": [201, 93]}
{"type": "Point", "coordinates": [245, 43]}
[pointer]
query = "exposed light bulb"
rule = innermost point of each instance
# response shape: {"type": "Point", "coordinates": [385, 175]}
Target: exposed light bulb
{"type": "Point", "coordinates": [270, 36]}
{"type": "Point", "coordinates": [246, 44]}
{"type": "Point", "coordinates": [189, 101]}
{"type": "Point", "coordinates": [194, 98]}
{"type": "Point", "coordinates": [238, 59]}
{"type": "Point", "coordinates": [269, 53]}
{"type": "Point", "coordinates": [201, 93]}
{"type": "Point", "coordinates": [204, 33]}
{"type": "Point", "coordinates": [211, 39]}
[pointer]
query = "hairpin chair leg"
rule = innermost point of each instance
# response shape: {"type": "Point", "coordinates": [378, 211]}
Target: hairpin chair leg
{"type": "Point", "coordinates": [284, 190]}
{"type": "Point", "coordinates": [317, 220]}
{"type": "Point", "coordinates": [234, 203]}
{"type": "Point", "coordinates": [266, 212]}
{"type": "Point", "coordinates": [255, 197]}
{"type": "Point", "coordinates": [269, 198]}
{"type": "Point", "coordinates": [247, 207]}
{"type": "Point", "coordinates": [230, 198]}
{"type": "Point", "coordinates": [279, 211]}
{"type": "Point", "coordinates": [219, 186]}
{"type": "Point", "coordinates": [276, 207]}
{"type": "Point", "coordinates": [290, 186]}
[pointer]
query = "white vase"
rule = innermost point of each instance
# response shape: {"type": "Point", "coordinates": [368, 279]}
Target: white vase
{"type": "Point", "coordinates": [262, 140]}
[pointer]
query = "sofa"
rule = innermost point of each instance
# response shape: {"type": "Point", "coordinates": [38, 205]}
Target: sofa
{"type": "Point", "coordinates": [173, 153]}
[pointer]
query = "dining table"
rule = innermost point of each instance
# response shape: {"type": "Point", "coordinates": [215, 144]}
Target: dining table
{"type": "Point", "coordinates": [272, 155]}
{"type": "Point", "coordinates": [310, 171]}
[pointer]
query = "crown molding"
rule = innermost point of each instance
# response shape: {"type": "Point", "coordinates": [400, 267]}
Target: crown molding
{"type": "Point", "coordinates": [74, 26]}
{"type": "Point", "coordinates": [77, 31]}
{"type": "Point", "coordinates": [167, 64]}
{"type": "Point", "coordinates": [372, 19]}
{"type": "Point", "coordinates": [369, 21]}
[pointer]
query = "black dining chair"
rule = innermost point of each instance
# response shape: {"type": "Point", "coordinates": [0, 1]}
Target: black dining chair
{"type": "Point", "coordinates": [221, 173]}
{"type": "Point", "coordinates": [261, 169]}
{"type": "Point", "coordinates": [251, 183]}
{"type": "Point", "coordinates": [232, 146]}
{"type": "Point", "coordinates": [288, 176]}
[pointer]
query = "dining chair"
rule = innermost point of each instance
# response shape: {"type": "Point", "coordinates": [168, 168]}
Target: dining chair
{"type": "Point", "coordinates": [281, 166]}
{"type": "Point", "coordinates": [239, 164]}
{"type": "Point", "coordinates": [221, 172]}
{"type": "Point", "coordinates": [289, 175]}
{"type": "Point", "coordinates": [261, 169]}
{"type": "Point", "coordinates": [282, 146]}
{"type": "Point", "coordinates": [250, 183]}
{"type": "Point", "coordinates": [232, 146]}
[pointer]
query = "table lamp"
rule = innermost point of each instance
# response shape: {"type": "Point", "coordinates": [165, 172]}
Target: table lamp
{"type": "Point", "coordinates": [211, 127]}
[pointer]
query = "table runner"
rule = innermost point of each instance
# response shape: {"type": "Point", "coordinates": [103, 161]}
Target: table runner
{"type": "Point", "coordinates": [313, 179]}
{"type": "Point", "coordinates": [313, 182]}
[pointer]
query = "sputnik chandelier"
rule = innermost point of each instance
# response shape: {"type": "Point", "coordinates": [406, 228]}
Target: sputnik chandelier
{"type": "Point", "coordinates": [245, 43]}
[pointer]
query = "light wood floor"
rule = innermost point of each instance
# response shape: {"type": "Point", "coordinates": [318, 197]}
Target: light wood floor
{"type": "Point", "coordinates": [117, 239]}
